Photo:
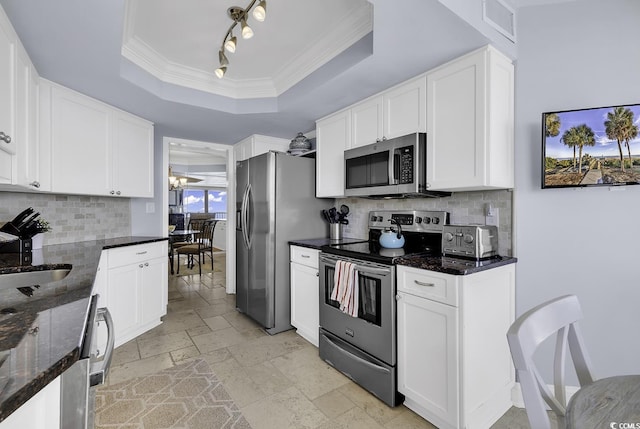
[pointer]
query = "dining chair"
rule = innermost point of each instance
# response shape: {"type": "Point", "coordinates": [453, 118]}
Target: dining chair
{"type": "Point", "coordinates": [559, 316]}
{"type": "Point", "coordinates": [202, 245]}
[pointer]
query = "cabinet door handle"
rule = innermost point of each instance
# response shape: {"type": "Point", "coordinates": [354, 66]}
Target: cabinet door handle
{"type": "Point", "coordinates": [317, 273]}
{"type": "Point", "coordinates": [5, 138]}
{"type": "Point", "coordinates": [146, 264]}
{"type": "Point", "coordinates": [424, 284]}
{"type": "Point", "coordinates": [141, 265]}
{"type": "Point", "coordinates": [35, 184]}
{"type": "Point", "coordinates": [141, 253]}
{"type": "Point", "coordinates": [112, 192]}
{"type": "Point", "coordinates": [305, 256]}
{"type": "Point", "coordinates": [117, 192]}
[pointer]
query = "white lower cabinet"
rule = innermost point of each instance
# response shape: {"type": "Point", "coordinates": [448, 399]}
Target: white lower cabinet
{"type": "Point", "coordinates": [454, 364]}
{"type": "Point", "coordinates": [134, 287]}
{"type": "Point", "coordinates": [41, 411]}
{"type": "Point", "coordinates": [305, 306]}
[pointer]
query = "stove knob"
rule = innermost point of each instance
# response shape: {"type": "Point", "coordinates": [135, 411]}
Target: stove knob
{"type": "Point", "coordinates": [427, 220]}
{"type": "Point", "coordinates": [418, 219]}
{"type": "Point", "coordinates": [435, 220]}
{"type": "Point", "coordinates": [448, 236]}
{"type": "Point", "coordinates": [380, 218]}
{"type": "Point", "coordinates": [468, 238]}
{"type": "Point", "coordinates": [373, 218]}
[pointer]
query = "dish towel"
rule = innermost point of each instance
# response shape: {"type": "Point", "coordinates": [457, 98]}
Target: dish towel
{"type": "Point", "coordinates": [345, 287]}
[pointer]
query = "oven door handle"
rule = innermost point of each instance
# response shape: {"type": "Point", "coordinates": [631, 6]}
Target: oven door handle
{"type": "Point", "coordinates": [99, 370]}
{"type": "Point", "coordinates": [360, 268]}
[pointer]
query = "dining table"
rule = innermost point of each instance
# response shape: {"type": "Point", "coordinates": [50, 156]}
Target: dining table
{"type": "Point", "coordinates": [612, 402]}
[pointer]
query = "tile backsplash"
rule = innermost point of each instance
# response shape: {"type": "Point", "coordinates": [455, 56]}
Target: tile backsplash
{"type": "Point", "coordinates": [463, 207]}
{"type": "Point", "coordinates": [72, 217]}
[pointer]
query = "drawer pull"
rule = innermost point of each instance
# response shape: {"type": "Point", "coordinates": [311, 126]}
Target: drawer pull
{"type": "Point", "coordinates": [424, 284]}
{"type": "Point", "coordinates": [305, 256]}
{"type": "Point", "coordinates": [141, 253]}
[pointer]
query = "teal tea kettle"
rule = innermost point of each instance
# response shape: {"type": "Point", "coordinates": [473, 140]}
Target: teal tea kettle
{"type": "Point", "coordinates": [391, 239]}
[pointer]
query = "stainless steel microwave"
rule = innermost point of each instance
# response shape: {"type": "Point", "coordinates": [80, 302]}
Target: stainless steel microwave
{"type": "Point", "coordinates": [393, 168]}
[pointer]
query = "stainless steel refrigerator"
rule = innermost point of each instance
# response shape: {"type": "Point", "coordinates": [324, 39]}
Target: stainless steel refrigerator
{"type": "Point", "coordinates": [275, 203]}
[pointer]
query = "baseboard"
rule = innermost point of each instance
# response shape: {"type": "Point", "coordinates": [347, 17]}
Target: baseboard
{"type": "Point", "coordinates": [518, 400]}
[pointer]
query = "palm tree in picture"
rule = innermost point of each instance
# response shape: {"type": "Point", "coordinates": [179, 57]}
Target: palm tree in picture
{"type": "Point", "coordinates": [584, 137]}
{"type": "Point", "coordinates": [617, 128]}
{"type": "Point", "coordinates": [570, 139]}
{"type": "Point", "coordinates": [631, 132]}
{"type": "Point", "coordinates": [552, 124]}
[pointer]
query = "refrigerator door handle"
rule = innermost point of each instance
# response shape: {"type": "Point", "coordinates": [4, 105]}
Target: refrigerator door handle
{"type": "Point", "coordinates": [248, 217]}
{"type": "Point", "coordinates": [243, 216]}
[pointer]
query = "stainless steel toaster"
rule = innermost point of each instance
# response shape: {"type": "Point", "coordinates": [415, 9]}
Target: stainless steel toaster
{"type": "Point", "coordinates": [470, 241]}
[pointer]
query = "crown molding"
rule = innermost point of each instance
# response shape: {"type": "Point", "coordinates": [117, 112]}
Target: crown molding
{"type": "Point", "coordinates": [353, 27]}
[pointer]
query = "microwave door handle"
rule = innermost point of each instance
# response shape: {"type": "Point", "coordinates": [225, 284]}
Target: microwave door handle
{"type": "Point", "coordinates": [394, 167]}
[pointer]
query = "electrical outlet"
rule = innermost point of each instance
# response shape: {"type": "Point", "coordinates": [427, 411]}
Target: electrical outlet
{"type": "Point", "coordinates": [151, 207]}
{"type": "Point", "coordinates": [492, 217]}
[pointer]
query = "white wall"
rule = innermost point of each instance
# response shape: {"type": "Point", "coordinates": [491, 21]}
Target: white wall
{"type": "Point", "coordinates": [584, 242]}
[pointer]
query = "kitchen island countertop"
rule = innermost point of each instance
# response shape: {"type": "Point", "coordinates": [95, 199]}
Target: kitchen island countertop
{"type": "Point", "coordinates": [41, 335]}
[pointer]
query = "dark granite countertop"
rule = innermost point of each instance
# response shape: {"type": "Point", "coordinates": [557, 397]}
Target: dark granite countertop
{"type": "Point", "coordinates": [317, 243]}
{"type": "Point", "coordinates": [41, 335]}
{"type": "Point", "coordinates": [455, 266]}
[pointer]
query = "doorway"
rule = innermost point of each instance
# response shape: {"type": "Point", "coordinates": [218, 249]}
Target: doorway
{"type": "Point", "coordinates": [199, 184]}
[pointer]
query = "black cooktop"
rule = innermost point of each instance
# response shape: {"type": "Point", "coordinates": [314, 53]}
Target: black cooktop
{"type": "Point", "coordinates": [415, 244]}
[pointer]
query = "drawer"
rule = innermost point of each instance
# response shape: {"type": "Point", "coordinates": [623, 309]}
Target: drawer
{"type": "Point", "coordinates": [428, 284]}
{"type": "Point", "coordinates": [137, 253]}
{"type": "Point", "coordinates": [305, 256]}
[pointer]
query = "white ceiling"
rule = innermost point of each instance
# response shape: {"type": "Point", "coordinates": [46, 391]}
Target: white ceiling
{"type": "Point", "coordinates": [79, 44]}
{"type": "Point", "coordinates": [180, 44]}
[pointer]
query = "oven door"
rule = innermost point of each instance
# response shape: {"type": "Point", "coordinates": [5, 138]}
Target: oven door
{"type": "Point", "coordinates": [373, 331]}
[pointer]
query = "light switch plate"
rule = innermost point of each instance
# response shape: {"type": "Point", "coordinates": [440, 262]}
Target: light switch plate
{"type": "Point", "coordinates": [151, 207]}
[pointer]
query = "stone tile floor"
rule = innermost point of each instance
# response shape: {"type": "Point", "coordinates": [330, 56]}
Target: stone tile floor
{"type": "Point", "coordinates": [278, 381]}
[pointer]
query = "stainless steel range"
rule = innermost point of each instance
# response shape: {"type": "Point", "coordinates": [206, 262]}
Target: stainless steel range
{"type": "Point", "coordinates": [364, 347]}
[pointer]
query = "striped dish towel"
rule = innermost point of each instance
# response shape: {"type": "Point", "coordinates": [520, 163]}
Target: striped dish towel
{"type": "Point", "coordinates": [345, 287]}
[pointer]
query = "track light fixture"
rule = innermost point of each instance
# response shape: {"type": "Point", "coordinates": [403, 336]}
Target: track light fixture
{"type": "Point", "coordinates": [238, 15]}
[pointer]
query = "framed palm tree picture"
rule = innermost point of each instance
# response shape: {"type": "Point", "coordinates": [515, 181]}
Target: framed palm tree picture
{"type": "Point", "coordinates": [591, 147]}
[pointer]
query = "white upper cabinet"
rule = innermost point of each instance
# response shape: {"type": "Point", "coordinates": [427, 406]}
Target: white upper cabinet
{"type": "Point", "coordinates": [27, 131]}
{"type": "Point", "coordinates": [366, 122]}
{"type": "Point", "coordinates": [396, 112]}
{"type": "Point", "coordinates": [257, 145]}
{"type": "Point", "coordinates": [404, 108]}
{"type": "Point", "coordinates": [132, 148]}
{"type": "Point", "coordinates": [470, 123]}
{"type": "Point", "coordinates": [93, 148]}
{"type": "Point", "coordinates": [8, 42]}
{"type": "Point", "coordinates": [333, 136]}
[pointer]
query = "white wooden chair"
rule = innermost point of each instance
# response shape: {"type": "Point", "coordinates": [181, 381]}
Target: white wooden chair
{"type": "Point", "coordinates": [559, 316]}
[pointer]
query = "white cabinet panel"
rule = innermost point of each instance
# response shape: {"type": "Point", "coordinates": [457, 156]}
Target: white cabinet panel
{"type": "Point", "coordinates": [366, 122]}
{"type": "Point", "coordinates": [132, 156]}
{"type": "Point", "coordinates": [257, 145]}
{"type": "Point", "coordinates": [80, 144]}
{"type": "Point", "coordinates": [7, 85]}
{"type": "Point", "coordinates": [333, 138]}
{"type": "Point", "coordinates": [405, 108]}
{"type": "Point", "coordinates": [470, 123]}
{"type": "Point", "coordinates": [41, 411]}
{"type": "Point", "coordinates": [305, 299]}
{"type": "Point", "coordinates": [428, 359]}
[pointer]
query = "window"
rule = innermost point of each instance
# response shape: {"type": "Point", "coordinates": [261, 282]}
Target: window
{"type": "Point", "coordinates": [212, 201]}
